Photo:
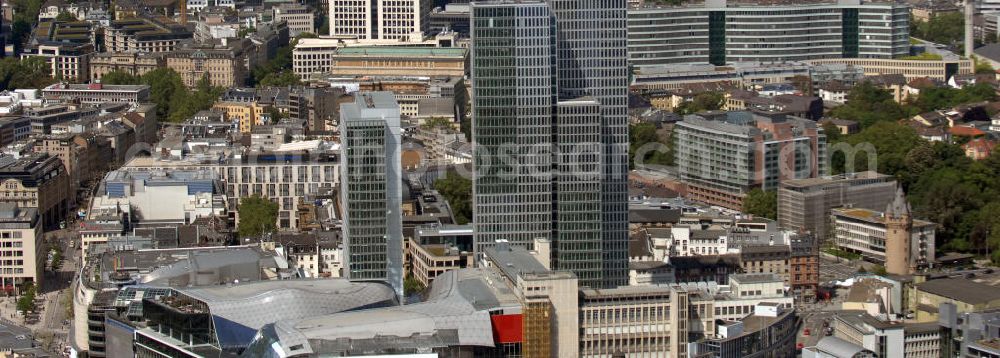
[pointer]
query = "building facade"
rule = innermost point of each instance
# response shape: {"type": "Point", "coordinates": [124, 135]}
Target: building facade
{"type": "Point", "coordinates": [96, 93]}
{"type": "Point", "coordinates": [579, 202]}
{"type": "Point", "coordinates": [404, 20]}
{"type": "Point", "coordinates": [722, 156]}
{"type": "Point", "coordinates": [805, 204]}
{"type": "Point", "coordinates": [37, 181]}
{"type": "Point", "coordinates": [868, 232]}
{"type": "Point", "coordinates": [299, 17]}
{"type": "Point", "coordinates": [398, 61]}
{"type": "Point", "coordinates": [133, 63]}
{"type": "Point", "coordinates": [67, 61]}
{"type": "Point", "coordinates": [719, 33]}
{"type": "Point", "coordinates": [225, 63]}
{"type": "Point", "coordinates": [144, 34]}
{"type": "Point", "coordinates": [371, 191]}
{"type": "Point", "coordinates": [23, 260]}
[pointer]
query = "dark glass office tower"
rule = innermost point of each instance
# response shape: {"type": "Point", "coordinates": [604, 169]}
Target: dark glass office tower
{"type": "Point", "coordinates": [550, 131]}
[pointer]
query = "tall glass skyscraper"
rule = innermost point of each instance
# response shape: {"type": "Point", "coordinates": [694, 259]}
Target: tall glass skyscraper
{"type": "Point", "coordinates": [371, 189]}
{"type": "Point", "coordinates": [550, 131]}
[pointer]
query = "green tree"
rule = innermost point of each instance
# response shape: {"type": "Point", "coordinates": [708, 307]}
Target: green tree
{"type": "Point", "coordinates": [892, 142]}
{"type": "Point", "coordinates": [761, 203]}
{"type": "Point", "coordinates": [944, 28]}
{"type": "Point", "coordinates": [258, 216]}
{"type": "Point", "coordinates": [642, 134]}
{"type": "Point", "coordinates": [66, 17]}
{"type": "Point", "coordinates": [984, 67]}
{"type": "Point", "coordinates": [708, 101]}
{"type": "Point", "coordinates": [275, 114]}
{"type": "Point", "coordinates": [867, 104]}
{"type": "Point", "coordinates": [457, 190]}
{"type": "Point", "coordinates": [26, 303]}
{"type": "Point", "coordinates": [277, 71]}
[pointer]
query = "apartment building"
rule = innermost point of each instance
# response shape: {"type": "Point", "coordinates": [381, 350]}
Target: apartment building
{"type": "Point", "coordinates": [36, 181]}
{"type": "Point", "coordinates": [724, 155]}
{"type": "Point", "coordinates": [719, 32]}
{"type": "Point", "coordinates": [23, 251]}
{"type": "Point", "coordinates": [248, 115]}
{"type": "Point", "coordinates": [805, 204]}
{"type": "Point", "coordinates": [133, 63]}
{"type": "Point", "coordinates": [144, 34]}
{"type": "Point", "coordinates": [434, 250]}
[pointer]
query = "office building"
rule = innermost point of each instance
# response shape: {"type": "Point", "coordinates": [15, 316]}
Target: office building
{"type": "Point", "coordinates": [401, 20]}
{"type": "Point", "coordinates": [96, 93]}
{"type": "Point", "coordinates": [69, 61]}
{"type": "Point", "coordinates": [23, 260]}
{"type": "Point", "coordinates": [133, 63]}
{"type": "Point", "coordinates": [723, 155]}
{"type": "Point", "coordinates": [886, 338]}
{"type": "Point", "coordinates": [144, 34]}
{"type": "Point", "coordinates": [942, 70]}
{"type": "Point", "coordinates": [398, 61]}
{"type": "Point", "coordinates": [371, 191]}
{"type": "Point", "coordinates": [225, 63]}
{"type": "Point", "coordinates": [37, 181]}
{"type": "Point", "coordinates": [718, 32]}
{"type": "Point", "coordinates": [299, 18]}
{"type": "Point", "coordinates": [891, 238]}
{"type": "Point", "coordinates": [537, 89]}
{"type": "Point", "coordinates": [805, 204]}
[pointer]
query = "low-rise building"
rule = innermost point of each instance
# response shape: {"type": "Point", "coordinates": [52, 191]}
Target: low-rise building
{"type": "Point", "coordinates": [132, 63]}
{"type": "Point", "coordinates": [863, 231]}
{"type": "Point", "coordinates": [96, 93]}
{"type": "Point", "coordinates": [964, 295]}
{"type": "Point", "coordinates": [772, 259]}
{"type": "Point", "coordinates": [435, 250]}
{"type": "Point", "coordinates": [941, 70]}
{"type": "Point", "coordinates": [398, 61]}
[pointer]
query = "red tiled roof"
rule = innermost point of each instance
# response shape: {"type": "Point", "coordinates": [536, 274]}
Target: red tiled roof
{"type": "Point", "coordinates": [980, 145]}
{"type": "Point", "coordinates": [966, 131]}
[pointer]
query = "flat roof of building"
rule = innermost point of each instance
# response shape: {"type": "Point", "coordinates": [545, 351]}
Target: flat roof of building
{"type": "Point", "coordinates": [962, 290]}
{"type": "Point", "coordinates": [872, 216]}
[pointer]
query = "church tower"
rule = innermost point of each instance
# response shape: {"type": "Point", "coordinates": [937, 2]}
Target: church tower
{"type": "Point", "coordinates": [898, 229]}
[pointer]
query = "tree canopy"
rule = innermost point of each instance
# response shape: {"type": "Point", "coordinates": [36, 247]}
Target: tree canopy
{"type": "Point", "coordinates": [945, 28]}
{"type": "Point", "coordinates": [761, 203]}
{"type": "Point", "coordinates": [31, 72]}
{"type": "Point", "coordinates": [458, 191]}
{"type": "Point", "coordinates": [708, 101]}
{"type": "Point", "coordinates": [867, 104]}
{"type": "Point", "coordinates": [258, 216]}
{"type": "Point", "coordinates": [174, 102]}
{"type": "Point", "coordinates": [278, 71]}
{"type": "Point", "coordinates": [642, 134]}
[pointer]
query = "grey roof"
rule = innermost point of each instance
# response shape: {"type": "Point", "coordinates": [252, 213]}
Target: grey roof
{"type": "Point", "coordinates": [962, 290]}
{"type": "Point", "coordinates": [438, 106]}
{"type": "Point", "coordinates": [838, 347]}
{"type": "Point", "coordinates": [991, 51]}
{"type": "Point", "coordinates": [456, 312]}
{"type": "Point", "coordinates": [755, 278]}
{"type": "Point", "coordinates": [514, 261]}
{"type": "Point", "coordinates": [654, 215]}
{"type": "Point", "coordinates": [212, 267]}
{"type": "Point", "coordinates": [240, 310]}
